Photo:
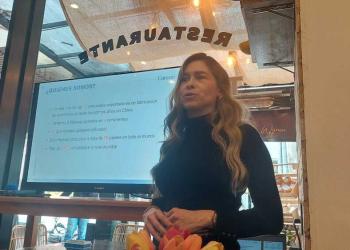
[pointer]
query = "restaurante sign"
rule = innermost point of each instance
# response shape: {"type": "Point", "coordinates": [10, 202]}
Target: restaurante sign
{"type": "Point", "coordinates": [177, 33]}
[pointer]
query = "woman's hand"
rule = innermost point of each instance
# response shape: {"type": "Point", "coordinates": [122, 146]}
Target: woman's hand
{"type": "Point", "coordinates": [191, 220]}
{"type": "Point", "coordinates": [156, 222]}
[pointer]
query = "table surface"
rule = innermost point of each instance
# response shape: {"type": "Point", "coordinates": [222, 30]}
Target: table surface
{"type": "Point", "coordinates": [107, 209]}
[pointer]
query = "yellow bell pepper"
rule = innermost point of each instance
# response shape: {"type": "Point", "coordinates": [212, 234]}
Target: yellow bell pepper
{"type": "Point", "coordinates": [139, 241]}
{"type": "Point", "coordinates": [213, 245]}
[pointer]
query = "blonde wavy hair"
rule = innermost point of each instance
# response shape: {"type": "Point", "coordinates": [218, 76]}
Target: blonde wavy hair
{"type": "Point", "coordinates": [226, 119]}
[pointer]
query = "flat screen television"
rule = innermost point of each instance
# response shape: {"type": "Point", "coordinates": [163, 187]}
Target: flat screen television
{"type": "Point", "coordinates": [263, 242]}
{"type": "Point", "coordinates": [98, 134]}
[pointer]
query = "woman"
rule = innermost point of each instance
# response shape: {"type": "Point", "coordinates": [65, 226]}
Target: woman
{"type": "Point", "coordinates": [208, 160]}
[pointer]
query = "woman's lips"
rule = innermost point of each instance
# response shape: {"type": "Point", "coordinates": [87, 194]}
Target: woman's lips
{"type": "Point", "coordinates": [189, 95]}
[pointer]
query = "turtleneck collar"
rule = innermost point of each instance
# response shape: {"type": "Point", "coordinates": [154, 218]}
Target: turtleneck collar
{"type": "Point", "coordinates": [197, 122]}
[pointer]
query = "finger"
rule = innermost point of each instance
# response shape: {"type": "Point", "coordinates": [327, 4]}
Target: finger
{"type": "Point", "coordinates": [164, 220]}
{"type": "Point", "coordinates": [156, 224]}
{"type": "Point", "coordinates": [153, 231]}
{"type": "Point", "coordinates": [173, 218]}
{"type": "Point", "coordinates": [169, 213]}
{"type": "Point", "coordinates": [172, 211]}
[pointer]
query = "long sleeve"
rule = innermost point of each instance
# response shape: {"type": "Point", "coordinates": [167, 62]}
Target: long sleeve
{"type": "Point", "coordinates": [266, 217]}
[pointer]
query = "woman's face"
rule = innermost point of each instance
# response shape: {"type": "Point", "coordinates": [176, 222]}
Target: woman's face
{"type": "Point", "coordinates": [198, 90]}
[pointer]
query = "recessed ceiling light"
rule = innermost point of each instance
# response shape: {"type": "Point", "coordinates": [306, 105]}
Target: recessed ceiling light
{"type": "Point", "coordinates": [74, 6]}
{"type": "Point", "coordinates": [143, 62]}
{"type": "Point", "coordinates": [128, 53]}
{"type": "Point", "coordinates": [196, 3]}
{"type": "Point", "coordinates": [154, 26]}
{"type": "Point", "coordinates": [231, 61]}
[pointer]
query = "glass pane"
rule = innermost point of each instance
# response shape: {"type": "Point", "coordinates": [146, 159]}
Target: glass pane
{"type": "Point", "coordinates": [59, 49]}
{"type": "Point", "coordinates": [60, 41]}
{"type": "Point", "coordinates": [6, 5]}
{"type": "Point", "coordinates": [52, 74]}
{"type": "Point", "coordinates": [5, 16]}
{"type": "Point", "coordinates": [43, 59]}
{"type": "Point", "coordinates": [283, 154]}
{"type": "Point", "coordinates": [53, 12]}
{"type": "Point", "coordinates": [94, 67]}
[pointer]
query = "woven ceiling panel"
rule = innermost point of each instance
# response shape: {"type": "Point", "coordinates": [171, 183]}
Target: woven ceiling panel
{"type": "Point", "coordinates": [105, 23]}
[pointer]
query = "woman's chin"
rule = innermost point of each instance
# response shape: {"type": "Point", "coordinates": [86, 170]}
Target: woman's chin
{"type": "Point", "coordinates": [191, 104]}
{"type": "Point", "coordinates": [191, 108]}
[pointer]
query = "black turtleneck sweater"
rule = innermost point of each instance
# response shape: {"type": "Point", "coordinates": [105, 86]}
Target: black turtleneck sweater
{"type": "Point", "coordinates": [194, 175]}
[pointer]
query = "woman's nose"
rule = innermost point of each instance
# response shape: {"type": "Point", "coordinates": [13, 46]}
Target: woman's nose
{"type": "Point", "coordinates": [190, 83]}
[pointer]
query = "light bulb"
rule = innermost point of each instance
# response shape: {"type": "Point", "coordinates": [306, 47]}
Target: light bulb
{"type": "Point", "coordinates": [74, 6]}
{"type": "Point", "coordinates": [196, 3]}
{"type": "Point", "coordinates": [231, 61]}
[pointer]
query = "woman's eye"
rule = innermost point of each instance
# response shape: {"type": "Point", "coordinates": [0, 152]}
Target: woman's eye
{"type": "Point", "coordinates": [184, 79]}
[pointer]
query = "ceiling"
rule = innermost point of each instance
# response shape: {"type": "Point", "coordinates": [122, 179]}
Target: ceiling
{"type": "Point", "coordinates": [59, 49]}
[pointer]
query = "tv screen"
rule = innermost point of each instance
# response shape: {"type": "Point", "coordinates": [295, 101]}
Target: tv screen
{"type": "Point", "coordinates": [263, 242]}
{"type": "Point", "coordinates": [99, 134]}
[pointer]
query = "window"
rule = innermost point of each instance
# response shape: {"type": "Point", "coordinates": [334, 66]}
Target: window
{"type": "Point", "coordinates": [5, 17]}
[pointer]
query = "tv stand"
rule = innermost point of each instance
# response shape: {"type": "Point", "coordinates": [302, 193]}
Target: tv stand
{"type": "Point", "coordinates": [23, 193]}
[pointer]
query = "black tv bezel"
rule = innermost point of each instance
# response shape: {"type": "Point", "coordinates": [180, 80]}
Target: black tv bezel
{"type": "Point", "coordinates": [76, 187]}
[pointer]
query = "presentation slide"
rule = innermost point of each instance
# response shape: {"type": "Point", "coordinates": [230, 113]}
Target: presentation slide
{"type": "Point", "coordinates": [250, 244]}
{"type": "Point", "coordinates": [100, 130]}
{"type": "Point", "coordinates": [273, 245]}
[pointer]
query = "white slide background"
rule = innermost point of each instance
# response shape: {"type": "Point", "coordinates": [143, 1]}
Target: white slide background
{"type": "Point", "coordinates": [100, 130]}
